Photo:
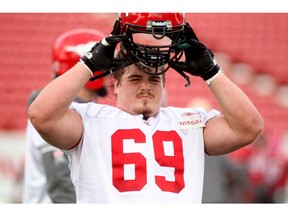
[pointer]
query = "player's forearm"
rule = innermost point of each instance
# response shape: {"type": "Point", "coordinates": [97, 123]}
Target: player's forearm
{"type": "Point", "coordinates": [54, 100]}
{"type": "Point", "coordinates": [241, 115]}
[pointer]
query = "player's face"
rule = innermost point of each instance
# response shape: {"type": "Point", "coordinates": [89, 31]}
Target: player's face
{"type": "Point", "coordinates": [139, 93]}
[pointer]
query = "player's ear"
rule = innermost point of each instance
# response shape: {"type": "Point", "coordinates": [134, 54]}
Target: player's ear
{"type": "Point", "coordinates": [115, 84]}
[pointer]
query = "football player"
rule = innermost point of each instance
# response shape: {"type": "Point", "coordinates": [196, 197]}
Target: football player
{"type": "Point", "coordinates": [138, 151]}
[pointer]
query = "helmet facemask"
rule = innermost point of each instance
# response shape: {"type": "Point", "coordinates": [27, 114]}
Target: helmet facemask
{"type": "Point", "coordinates": [153, 59]}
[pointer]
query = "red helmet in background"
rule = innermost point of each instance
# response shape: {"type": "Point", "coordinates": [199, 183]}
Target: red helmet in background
{"type": "Point", "coordinates": [70, 46]}
{"type": "Point", "coordinates": [159, 26]}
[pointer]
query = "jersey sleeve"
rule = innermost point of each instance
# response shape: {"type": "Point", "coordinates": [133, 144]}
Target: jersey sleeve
{"type": "Point", "coordinates": [209, 115]}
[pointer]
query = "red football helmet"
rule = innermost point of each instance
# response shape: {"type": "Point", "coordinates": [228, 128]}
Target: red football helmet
{"type": "Point", "coordinates": [167, 27]}
{"type": "Point", "coordinates": [70, 46]}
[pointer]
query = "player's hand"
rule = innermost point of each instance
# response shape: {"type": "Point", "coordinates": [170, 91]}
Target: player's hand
{"type": "Point", "coordinates": [101, 55]}
{"type": "Point", "coordinates": [199, 60]}
{"type": "Point", "coordinates": [117, 63]}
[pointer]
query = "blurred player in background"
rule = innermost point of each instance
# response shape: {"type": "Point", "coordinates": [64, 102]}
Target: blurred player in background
{"type": "Point", "coordinates": [46, 175]}
{"type": "Point", "coordinates": [139, 151]}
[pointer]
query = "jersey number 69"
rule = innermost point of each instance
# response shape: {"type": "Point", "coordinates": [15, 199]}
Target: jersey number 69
{"type": "Point", "coordinates": [119, 159]}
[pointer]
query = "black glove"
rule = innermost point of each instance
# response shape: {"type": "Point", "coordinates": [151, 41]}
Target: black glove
{"type": "Point", "coordinates": [199, 59]}
{"type": "Point", "coordinates": [101, 55]}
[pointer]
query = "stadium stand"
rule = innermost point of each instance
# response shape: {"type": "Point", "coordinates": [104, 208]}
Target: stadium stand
{"type": "Point", "coordinates": [258, 40]}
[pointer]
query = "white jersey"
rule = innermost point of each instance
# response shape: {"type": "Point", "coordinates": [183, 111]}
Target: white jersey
{"type": "Point", "coordinates": [35, 186]}
{"type": "Point", "coordinates": [125, 159]}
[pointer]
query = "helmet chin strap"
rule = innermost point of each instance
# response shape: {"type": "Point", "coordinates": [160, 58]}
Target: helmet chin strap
{"type": "Point", "coordinates": [106, 73]}
{"type": "Point", "coordinates": [125, 64]}
{"type": "Point", "coordinates": [188, 82]}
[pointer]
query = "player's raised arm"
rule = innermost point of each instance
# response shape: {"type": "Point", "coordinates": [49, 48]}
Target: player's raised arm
{"type": "Point", "coordinates": [50, 113]}
{"type": "Point", "coordinates": [241, 122]}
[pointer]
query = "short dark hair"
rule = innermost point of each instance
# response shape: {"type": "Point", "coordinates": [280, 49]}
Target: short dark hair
{"type": "Point", "coordinates": [119, 72]}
